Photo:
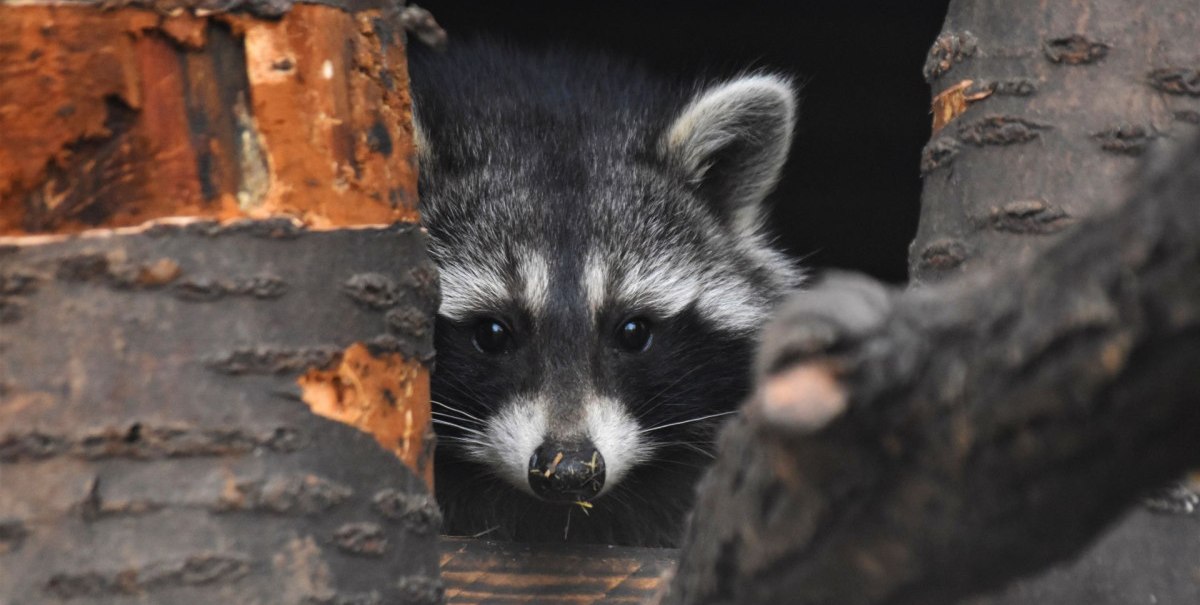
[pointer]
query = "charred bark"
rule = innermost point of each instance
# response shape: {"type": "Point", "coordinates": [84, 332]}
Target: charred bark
{"type": "Point", "coordinates": [215, 308]}
{"type": "Point", "coordinates": [926, 446]}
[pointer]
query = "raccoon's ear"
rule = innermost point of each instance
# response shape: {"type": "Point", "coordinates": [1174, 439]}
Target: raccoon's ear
{"type": "Point", "coordinates": [732, 140]}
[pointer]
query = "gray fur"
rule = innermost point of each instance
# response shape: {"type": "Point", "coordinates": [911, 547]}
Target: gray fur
{"type": "Point", "coordinates": [564, 195]}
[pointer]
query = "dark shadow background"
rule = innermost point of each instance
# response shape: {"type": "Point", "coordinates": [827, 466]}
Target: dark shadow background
{"type": "Point", "coordinates": [850, 194]}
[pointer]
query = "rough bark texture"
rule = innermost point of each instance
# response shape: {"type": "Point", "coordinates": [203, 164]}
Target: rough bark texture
{"type": "Point", "coordinates": [919, 448]}
{"type": "Point", "coordinates": [1148, 557]}
{"type": "Point", "coordinates": [1060, 100]}
{"type": "Point", "coordinates": [993, 427]}
{"type": "Point", "coordinates": [156, 440]}
{"type": "Point", "coordinates": [1040, 110]}
{"type": "Point", "coordinates": [214, 346]}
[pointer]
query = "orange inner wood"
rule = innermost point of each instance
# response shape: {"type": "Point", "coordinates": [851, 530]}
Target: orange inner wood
{"type": "Point", "coordinates": [110, 118]}
{"type": "Point", "coordinates": [384, 395]}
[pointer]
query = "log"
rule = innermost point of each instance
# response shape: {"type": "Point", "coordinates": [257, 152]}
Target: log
{"type": "Point", "coordinates": [215, 307]}
{"type": "Point", "coordinates": [926, 446]}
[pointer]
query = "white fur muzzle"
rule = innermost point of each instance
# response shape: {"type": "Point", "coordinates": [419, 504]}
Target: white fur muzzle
{"type": "Point", "coordinates": [517, 430]}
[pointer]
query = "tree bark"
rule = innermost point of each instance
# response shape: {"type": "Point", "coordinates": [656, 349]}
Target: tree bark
{"type": "Point", "coordinates": [1041, 110]}
{"type": "Point", "coordinates": [935, 446]}
{"type": "Point", "coordinates": [920, 448]}
{"type": "Point", "coordinates": [215, 308]}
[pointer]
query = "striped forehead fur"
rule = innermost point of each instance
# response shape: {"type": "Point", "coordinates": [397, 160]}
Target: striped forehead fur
{"type": "Point", "coordinates": [469, 288]}
{"type": "Point", "coordinates": [534, 272]}
{"type": "Point", "coordinates": [667, 286]}
{"type": "Point", "coordinates": [472, 286]}
{"type": "Point", "coordinates": [666, 282]}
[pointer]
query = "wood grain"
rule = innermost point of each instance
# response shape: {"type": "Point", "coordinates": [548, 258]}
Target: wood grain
{"type": "Point", "coordinates": [477, 571]}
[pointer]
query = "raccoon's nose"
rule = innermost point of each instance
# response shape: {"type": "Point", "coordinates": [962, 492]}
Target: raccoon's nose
{"type": "Point", "coordinates": [566, 471]}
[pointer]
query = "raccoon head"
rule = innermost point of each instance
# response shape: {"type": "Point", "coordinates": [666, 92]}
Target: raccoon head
{"type": "Point", "coordinates": [604, 272]}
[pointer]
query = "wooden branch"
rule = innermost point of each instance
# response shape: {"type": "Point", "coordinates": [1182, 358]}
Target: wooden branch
{"type": "Point", "coordinates": [917, 448]}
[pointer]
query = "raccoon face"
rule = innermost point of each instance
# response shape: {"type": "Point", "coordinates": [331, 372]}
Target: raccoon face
{"type": "Point", "coordinates": [602, 284]}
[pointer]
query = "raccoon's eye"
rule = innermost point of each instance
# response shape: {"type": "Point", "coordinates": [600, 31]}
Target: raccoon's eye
{"type": "Point", "coordinates": [634, 335]}
{"type": "Point", "coordinates": [492, 336]}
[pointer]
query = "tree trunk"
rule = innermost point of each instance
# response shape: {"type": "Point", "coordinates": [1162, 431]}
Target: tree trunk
{"type": "Point", "coordinates": [939, 445]}
{"type": "Point", "coordinates": [1041, 111]}
{"type": "Point", "coordinates": [1062, 99]}
{"type": "Point", "coordinates": [215, 308]}
{"type": "Point", "coordinates": [924, 447]}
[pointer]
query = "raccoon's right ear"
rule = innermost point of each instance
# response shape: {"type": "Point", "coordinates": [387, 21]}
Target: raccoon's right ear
{"type": "Point", "coordinates": [731, 141]}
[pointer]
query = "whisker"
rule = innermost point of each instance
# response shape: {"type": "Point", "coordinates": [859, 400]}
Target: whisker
{"type": "Point", "coordinates": [694, 447]}
{"type": "Point", "coordinates": [466, 421]}
{"type": "Point", "coordinates": [464, 440]}
{"type": "Point", "coordinates": [629, 495]}
{"type": "Point", "coordinates": [469, 430]}
{"type": "Point", "coordinates": [646, 404]}
{"type": "Point", "coordinates": [697, 464]}
{"type": "Point", "coordinates": [682, 422]}
{"type": "Point", "coordinates": [457, 410]}
{"type": "Point", "coordinates": [461, 386]}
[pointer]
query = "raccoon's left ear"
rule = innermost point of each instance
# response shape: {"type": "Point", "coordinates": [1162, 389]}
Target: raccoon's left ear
{"type": "Point", "coordinates": [732, 140]}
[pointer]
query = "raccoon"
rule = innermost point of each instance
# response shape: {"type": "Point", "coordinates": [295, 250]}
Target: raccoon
{"type": "Point", "coordinates": [604, 272]}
